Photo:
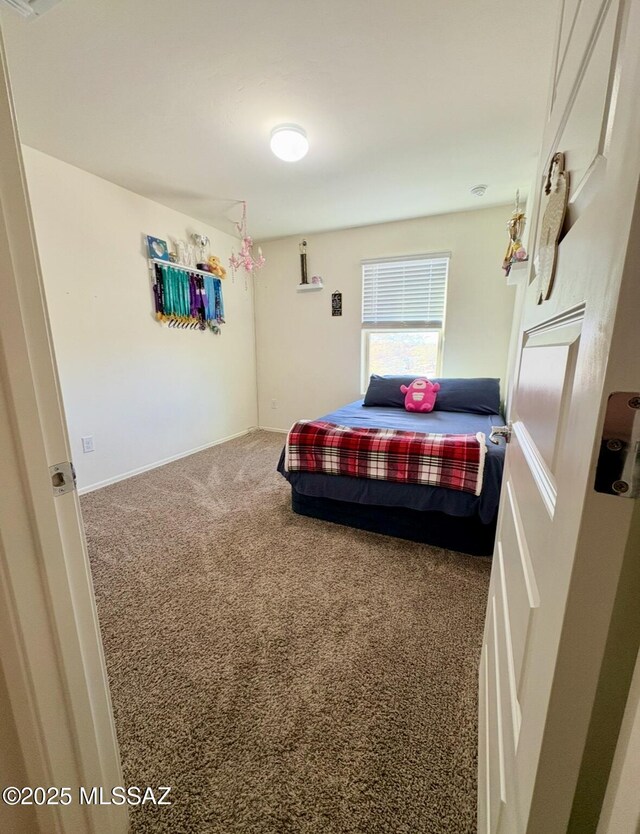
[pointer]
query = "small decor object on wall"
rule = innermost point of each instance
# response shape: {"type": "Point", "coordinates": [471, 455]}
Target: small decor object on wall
{"type": "Point", "coordinates": [245, 257]}
{"type": "Point", "coordinates": [201, 242]}
{"type": "Point", "coordinates": [186, 253]}
{"type": "Point", "coordinates": [336, 303]}
{"type": "Point", "coordinates": [157, 248]}
{"type": "Point", "coordinates": [181, 250]}
{"type": "Point", "coordinates": [303, 262]}
{"type": "Point", "coordinates": [557, 189]}
{"type": "Point", "coordinates": [215, 266]}
{"type": "Point", "coordinates": [515, 250]}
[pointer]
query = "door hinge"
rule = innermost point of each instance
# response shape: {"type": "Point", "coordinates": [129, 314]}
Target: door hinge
{"type": "Point", "coordinates": [63, 477]}
{"type": "Point", "coordinates": [500, 431]}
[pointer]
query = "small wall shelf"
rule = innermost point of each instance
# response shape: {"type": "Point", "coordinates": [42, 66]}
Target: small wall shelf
{"type": "Point", "coordinates": [192, 270]}
{"type": "Point", "coordinates": [309, 287]}
{"type": "Point", "coordinates": [517, 272]}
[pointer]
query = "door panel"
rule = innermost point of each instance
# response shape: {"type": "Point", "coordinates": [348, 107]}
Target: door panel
{"type": "Point", "coordinates": [560, 545]}
{"type": "Point", "coordinates": [537, 487]}
{"type": "Point", "coordinates": [568, 15]}
{"type": "Point", "coordinates": [545, 383]}
{"type": "Point", "coordinates": [516, 574]}
{"type": "Point", "coordinates": [574, 48]}
{"type": "Point", "coordinates": [510, 707]}
{"type": "Point", "coordinates": [584, 134]}
{"type": "Point", "coordinates": [501, 714]}
{"type": "Point", "coordinates": [496, 759]}
{"type": "Point", "coordinates": [542, 377]}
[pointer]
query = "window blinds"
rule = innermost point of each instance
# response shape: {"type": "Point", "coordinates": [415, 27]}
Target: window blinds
{"type": "Point", "coordinates": [404, 292]}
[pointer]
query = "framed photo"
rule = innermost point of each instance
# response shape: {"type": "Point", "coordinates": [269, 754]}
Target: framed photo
{"type": "Point", "coordinates": [157, 248]}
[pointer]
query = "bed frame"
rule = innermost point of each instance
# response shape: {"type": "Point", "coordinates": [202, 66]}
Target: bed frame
{"type": "Point", "coordinates": [466, 534]}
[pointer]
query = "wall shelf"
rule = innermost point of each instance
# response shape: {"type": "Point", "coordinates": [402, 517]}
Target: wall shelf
{"type": "Point", "coordinates": [517, 272]}
{"type": "Point", "coordinates": [520, 264]}
{"type": "Point", "coordinates": [192, 270]}
{"type": "Point", "coordinates": [309, 287]}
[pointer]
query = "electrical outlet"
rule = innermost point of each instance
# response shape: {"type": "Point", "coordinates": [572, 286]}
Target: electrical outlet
{"type": "Point", "coordinates": [274, 403]}
{"type": "Point", "coordinates": [87, 444]}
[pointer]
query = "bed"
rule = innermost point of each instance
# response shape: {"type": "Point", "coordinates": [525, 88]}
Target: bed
{"type": "Point", "coordinates": [434, 515]}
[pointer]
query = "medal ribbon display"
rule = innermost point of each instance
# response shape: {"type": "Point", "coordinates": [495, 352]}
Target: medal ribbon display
{"type": "Point", "coordinates": [187, 300]}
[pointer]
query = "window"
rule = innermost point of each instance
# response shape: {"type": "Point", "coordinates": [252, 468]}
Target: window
{"type": "Point", "coordinates": [403, 301]}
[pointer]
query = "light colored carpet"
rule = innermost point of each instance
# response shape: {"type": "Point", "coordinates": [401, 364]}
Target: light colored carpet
{"type": "Point", "coordinates": [283, 674]}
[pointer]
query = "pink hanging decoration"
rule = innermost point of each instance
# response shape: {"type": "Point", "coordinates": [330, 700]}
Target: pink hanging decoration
{"type": "Point", "coordinates": [245, 258]}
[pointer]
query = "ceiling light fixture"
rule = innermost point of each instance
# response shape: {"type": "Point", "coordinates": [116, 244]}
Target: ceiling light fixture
{"type": "Point", "coordinates": [479, 190]}
{"type": "Point", "coordinates": [289, 142]}
{"type": "Point", "coordinates": [245, 257]}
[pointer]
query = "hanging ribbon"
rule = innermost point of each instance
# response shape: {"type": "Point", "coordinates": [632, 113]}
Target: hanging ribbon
{"type": "Point", "coordinates": [186, 299]}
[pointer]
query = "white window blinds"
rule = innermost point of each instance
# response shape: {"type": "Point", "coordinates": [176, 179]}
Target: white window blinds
{"type": "Point", "coordinates": [404, 292]}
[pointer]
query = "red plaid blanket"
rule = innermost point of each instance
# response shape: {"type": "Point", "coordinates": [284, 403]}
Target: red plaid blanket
{"type": "Point", "coordinates": [453, 461]}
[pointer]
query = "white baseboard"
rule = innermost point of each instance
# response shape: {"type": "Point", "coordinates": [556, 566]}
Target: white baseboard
{"type": "Point", "coordinates": [131, 473]}
{"type": "Point", "coordinates": [268, 428]}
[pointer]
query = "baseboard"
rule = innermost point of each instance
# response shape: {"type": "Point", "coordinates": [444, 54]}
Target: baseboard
{"type": "Point", "coordinates": [133, 472]}
{"type": "Point", "coordinates": [269, 428]}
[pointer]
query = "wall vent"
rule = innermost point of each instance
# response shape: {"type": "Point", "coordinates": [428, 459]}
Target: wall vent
{"type": "Point", "coordinates": [29, 8]}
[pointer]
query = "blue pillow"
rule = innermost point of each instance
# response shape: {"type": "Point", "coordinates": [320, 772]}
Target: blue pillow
{"type": "Point", "coordinates": [478, 395]}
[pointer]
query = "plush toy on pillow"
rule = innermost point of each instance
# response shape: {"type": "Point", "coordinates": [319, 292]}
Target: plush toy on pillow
{"type": "Point", "coordinates": [420, 395]}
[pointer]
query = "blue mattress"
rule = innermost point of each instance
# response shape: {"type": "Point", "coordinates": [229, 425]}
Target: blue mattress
{"type": "Point", "coordinates": [414, 496]}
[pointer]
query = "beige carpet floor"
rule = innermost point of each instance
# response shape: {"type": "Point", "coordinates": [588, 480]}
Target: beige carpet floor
{"type": "Point", "coordinates": [282, 674]}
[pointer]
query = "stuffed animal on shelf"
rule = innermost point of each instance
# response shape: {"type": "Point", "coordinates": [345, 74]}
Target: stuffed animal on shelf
{"type": "Point", "coordinates": [216, 267]}
{"type": "Point", "coordinates": [420, 395]}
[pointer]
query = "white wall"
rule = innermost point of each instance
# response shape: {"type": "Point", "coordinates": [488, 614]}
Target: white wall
{"type": "Point", "coordinates": [309, 361]}
{"type": "Point", "coordinates": [145, 392]}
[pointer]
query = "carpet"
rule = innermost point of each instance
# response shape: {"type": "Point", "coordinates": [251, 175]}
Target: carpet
{"type": "Point", "coordinates": [282, 674]}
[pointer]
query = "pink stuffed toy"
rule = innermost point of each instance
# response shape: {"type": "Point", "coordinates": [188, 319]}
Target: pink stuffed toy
{"type": "Point", "coordinates": [420, 395]}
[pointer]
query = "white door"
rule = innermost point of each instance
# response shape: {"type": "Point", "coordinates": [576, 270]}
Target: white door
{"type": "Point", "coordinates": [561, 546]}
{"type": "Point", "coordinates": [50, 652]}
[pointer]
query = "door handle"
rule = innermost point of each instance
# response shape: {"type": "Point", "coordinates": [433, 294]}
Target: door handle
{"type": "Point", "coordinates": [500, 431]}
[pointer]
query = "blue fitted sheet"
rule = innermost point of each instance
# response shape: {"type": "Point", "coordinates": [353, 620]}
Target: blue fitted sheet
{"type": "Point", "coordinates": [415, 496]}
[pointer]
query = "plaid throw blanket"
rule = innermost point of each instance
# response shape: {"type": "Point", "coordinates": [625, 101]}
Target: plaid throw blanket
{"type": "Point", "coordinates": [453, 461]}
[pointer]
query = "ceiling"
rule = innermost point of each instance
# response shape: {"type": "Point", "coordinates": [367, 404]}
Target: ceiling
{"type": "Point", "coordinates": [407, 103]}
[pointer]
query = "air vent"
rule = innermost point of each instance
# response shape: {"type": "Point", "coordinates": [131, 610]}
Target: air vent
{"type": "Point", "coordinates": [29, 8]}
{"type": "Point", "coordinates": [479, 190]}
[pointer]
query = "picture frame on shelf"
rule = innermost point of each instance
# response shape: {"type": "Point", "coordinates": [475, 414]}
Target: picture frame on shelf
{"type": "Point", "coordinates": [157, 248]}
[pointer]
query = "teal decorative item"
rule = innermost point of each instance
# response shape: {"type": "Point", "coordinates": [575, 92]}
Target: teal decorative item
{"type": "Point", "coordinates": [157, 248]}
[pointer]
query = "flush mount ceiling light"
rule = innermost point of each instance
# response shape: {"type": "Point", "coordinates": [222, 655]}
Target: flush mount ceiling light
{"type": "Point", "coordinates": [479, 190]}
{"type": "Point", "coordinates": [289, 142]}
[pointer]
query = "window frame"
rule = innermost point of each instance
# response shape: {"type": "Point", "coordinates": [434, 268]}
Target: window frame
{"type": "Point", "coordinates": [365, 372]}
{"type": "Point", "coordinates": [435, 327]}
